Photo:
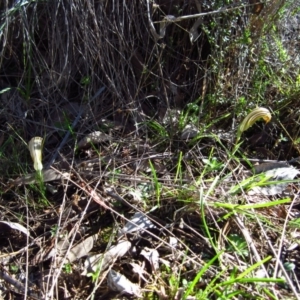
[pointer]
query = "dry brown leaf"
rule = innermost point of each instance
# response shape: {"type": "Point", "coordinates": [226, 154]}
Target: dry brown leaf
{"type": "Point", "coordinates": [47, 175]}
{"type": "Point", "coordinates": [104, 260]}
{"type": "Point", "coordinates": [278, 174]}
{"type": "Point", "coordinates": [79, 250]}
{"type": "Point", "coordinates": [119, 283]}
{"type": "Point", "coordinates": [95, 138]}
{"type": "Point", "coordinates": [16, 226]}
{"type": "Point", "coordinates": [137, 223]}
{"type": "Point", "coordinates": [152, 256]}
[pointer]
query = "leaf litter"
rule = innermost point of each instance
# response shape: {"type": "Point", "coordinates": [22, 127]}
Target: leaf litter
{"type": "Point", "coordinates": [276, 181]}
{"type": "Point", "coordinates": [145, 255]}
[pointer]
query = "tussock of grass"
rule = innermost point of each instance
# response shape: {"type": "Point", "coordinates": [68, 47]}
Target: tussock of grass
{"type": "Point", "coordinates": [71, 68]}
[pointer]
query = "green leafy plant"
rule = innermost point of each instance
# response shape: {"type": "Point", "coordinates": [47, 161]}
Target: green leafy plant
{"type": "Point", "coordinates": [67, 268]}
{"type": "Point", "coordinates": [95, 275]}
{"type": "Point", "coordinates": [54, 230]}
{"type": "Point", "coordinates": [14, 268]}
{"type": "Point", "coordinates": [238, 245]}
{"type": "Point", "coordinates": [213, 164]}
